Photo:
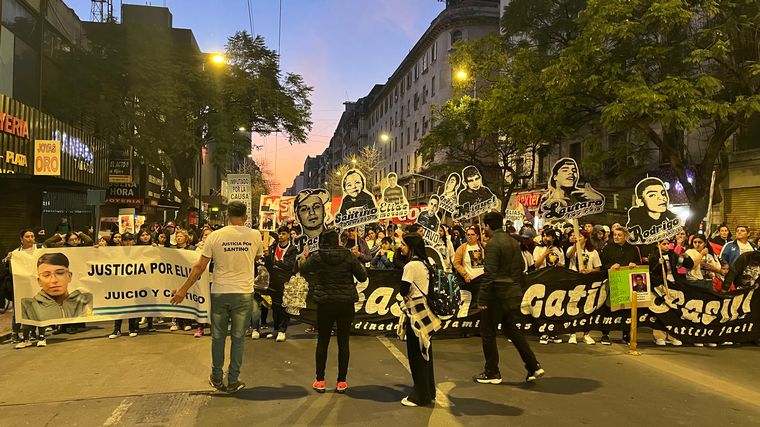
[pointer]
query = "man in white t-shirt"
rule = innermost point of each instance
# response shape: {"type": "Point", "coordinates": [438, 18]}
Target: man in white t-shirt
{"type": "Point", "coordinates": [234, 249]}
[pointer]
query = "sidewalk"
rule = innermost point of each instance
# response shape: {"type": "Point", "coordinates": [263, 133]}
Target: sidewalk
{"type": "Point", "coordinates": [5, 324]}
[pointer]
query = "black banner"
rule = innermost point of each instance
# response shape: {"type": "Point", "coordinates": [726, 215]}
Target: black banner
{"type": "Point", "coordinates": [561, 301]}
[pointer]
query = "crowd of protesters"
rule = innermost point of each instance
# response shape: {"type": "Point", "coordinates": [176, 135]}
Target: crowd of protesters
{"type": "Point", "coordinates": [725, 261]}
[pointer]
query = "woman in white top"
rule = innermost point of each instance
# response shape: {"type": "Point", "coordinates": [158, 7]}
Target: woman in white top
{"type": "Point", "coordinates": [706, 263]}
{"type": "Point", "coordinates": [445, 248]}
{"type": "Point", "coordinates": [591, 263]}
{"type": "Point", "coordinates": [414, 284]}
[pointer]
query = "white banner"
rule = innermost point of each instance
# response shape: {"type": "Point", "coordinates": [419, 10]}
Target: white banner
{"type": "Point", "coordinates": [240, 190]}
{"type": "Point", "coordinates": [71, 285]}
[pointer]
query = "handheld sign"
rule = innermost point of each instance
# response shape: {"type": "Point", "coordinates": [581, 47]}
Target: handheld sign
{"type": "Point", "coordinates": [448, 196]}
{"type": "Point", "coordinates": [429, 221]}
{"type": "Point", "coordinates": [651, 221]}
{"type": "Point", "coordinates": [310, 207]}
{"type": "Point", "coordinates": [474, 198]}
{"type": "Point", "coordinates": [564, 198]}
{"type": "Point", "coordinates": [393, 203]}
{"type": "Point", "coordinates": [358, 205]}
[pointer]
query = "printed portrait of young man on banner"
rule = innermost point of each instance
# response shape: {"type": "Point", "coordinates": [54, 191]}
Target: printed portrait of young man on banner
{"type": "Point", "coordinates": [358, 204]}
{"type": "Point", "coordinates": [393, 203]}
{"type": "Point", "coordinates": [475, 198]}
{"type": "Point", "coordinates": [650, 220]}
{"type": "Point", "coordinates": [448, 196]}
{"type": "Point", "coordinates": [311, 210]}
{"type": "Point", "coordinates": [565, 198]}
{"type": "Point", "coordinates": [429, 221]}
{"type": "Point", "coordinates": [267, 221]}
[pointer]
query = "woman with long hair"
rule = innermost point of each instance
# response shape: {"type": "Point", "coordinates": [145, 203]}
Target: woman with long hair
{"type": "Point", "coordinates": [418, 321]}
{"type": "Point", "coordinates": [706, 263]}
{"type": "Point", "coordinates": [468, 259]}
{"type": "Point", "coordinates": [591, 263]}
{"type": "Point", "coordinates": [445, 247]}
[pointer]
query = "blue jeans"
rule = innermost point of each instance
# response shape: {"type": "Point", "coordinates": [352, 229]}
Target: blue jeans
{"type": "Point", "coordinates": [255, 314]}
{"type": "Point", "coordinates": [226, 309]}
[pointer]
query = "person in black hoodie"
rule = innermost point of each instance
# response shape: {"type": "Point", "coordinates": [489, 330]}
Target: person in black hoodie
{"type": "Point", "coordinates": [670, 262]}
{"type": "Point", "coordinates": [619, 254]}
{"type": "Point", "coordinates": [280, 260]}
{"type": "Point", "coordinates": [335, 270]}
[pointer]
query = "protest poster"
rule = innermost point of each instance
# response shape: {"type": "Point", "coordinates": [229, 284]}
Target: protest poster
{"type": "Point", "coordinates": [393, 203]}
{"type": "Point", "coordinates": [267, 221]}
{"type": "Point", "coordinates": [358, 205]}
{"type": "Point", "coordinates": [624, 281]}
{"type": "Point", "coordinates": [239, 186]}
{"type": "Point", "coordinates": [474, 198]}
{"type": "Point", "coordinates": [127, 220]}
{"type": "Point", "coordinates": [311, 207]}
{"type": "Point", "coordinates": [429, 221]}
{"type": "Point", "coordinates": [449, 194]}
{"type": "Point", "coordinates": [565, 198]}
{"type": "Point", "coordinates": [72, 285]}
{"type": "Point", "coordinates": [650, 220]}
{"type": "Point", "coordinates": [282, 205]}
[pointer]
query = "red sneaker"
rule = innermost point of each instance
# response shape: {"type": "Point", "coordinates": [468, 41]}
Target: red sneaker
{"type": "Point", "coordinates": [319, 386]}
{"type": "Point", "coordinates": [341, 387]}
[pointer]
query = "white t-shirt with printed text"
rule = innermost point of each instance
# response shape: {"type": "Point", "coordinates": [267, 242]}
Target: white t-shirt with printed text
{"type": "Point", "coordinates": [234, 249]}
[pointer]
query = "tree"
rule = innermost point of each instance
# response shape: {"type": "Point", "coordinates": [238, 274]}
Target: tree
{"type": "Point", "coordinates": [145, 90]}
{"type": "Point", "coordinates": [664, 68]}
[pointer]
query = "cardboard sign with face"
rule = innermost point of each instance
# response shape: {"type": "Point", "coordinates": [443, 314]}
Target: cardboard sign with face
{"type": "Point", "coordinates": [565, 198]}
{"type": "Point", "coordinates": [650, 220]}
{"type": "Point", "coordinates": [429, 220]}
{"type": "Point", "coordinates": [448, 195]}
{"type": "Point", "coordinates": [310, 208]}
{"type": "Point", "coordinates": [474, 198]}
{"type": "Point", "coordinates": [268, 221]}
{"type": "Point", "coordinates": [393, 203]}
{"type": "Point", "coordinates": [358, 204]}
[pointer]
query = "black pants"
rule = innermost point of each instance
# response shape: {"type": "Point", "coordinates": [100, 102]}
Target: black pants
{"type": "Point", "coordinates": [328, 314]}
{"type": "Point", "coordinates": [281, 318]}
{"type": "Point", "coordinates": [489, 321]}
{"type": "Point", "coordinates": [134, 325]}
{"type": "Point", "coordinates": [29, 330]}
{"type": "Point", "coordinates": [422, 370]}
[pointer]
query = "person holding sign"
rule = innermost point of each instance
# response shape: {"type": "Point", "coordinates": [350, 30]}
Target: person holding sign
{"type": "Point", "coordinates": [616, 255]}
{"type": "Point", "coordinates": [547, 254]}
{"type": "Point", "coordinates": [705, 263]}
{"type": "Point", "coordinates": [669, 261]}
{"type": "Point", "coordinates": [592, 263]}
{"type": "Point", "coordinates": [54, 301]}
{"type": "Point", "coordinates": [235, 250]}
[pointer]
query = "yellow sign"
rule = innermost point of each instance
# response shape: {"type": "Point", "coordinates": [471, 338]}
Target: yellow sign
{"type": "Point", "coordinates": [47, 157]}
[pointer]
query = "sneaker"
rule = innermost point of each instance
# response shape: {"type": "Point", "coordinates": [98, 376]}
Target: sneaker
{"type": "Point", "coordinates": [319, 386]}
{"type": "Point", "coordinates": [23, 344]}
{"type": "Point", "coordinates": [533, 376]}
{"type": "Point", "coordinates": [712, 344]}
{"type": "Point", "coordinates": [280, 337]}
{"type": "Point", "coordinates": [218, 385]}
{"type": "Point", "coordinates": [187, 328]}
{"type": "Point", "coordinates": [114, 334]}
{"type": "Point", "coordinates": [573, 339]}
{"type": "Point", "coordinates": [544, 339]}
{"type": "Point", "coordinates": [484, 378]}
{"type": "Point", "coordinates": [626, 339]}
{"type": "Point", "coordinates": [588, 340]}
{"type": "Point", "coordinates": [198, 333]}
{"type": "Point", "coordinates": [660, 342]}
{"type": "Point", "coordinates": [727, 343]}
{"type": "Point", "coordinates": [48, 329]}
{"type": "Point", "coordinates": [605, 340]}
{"type": "Point", "coordinates": [143, 321]}
{"type": "Point", "coordinates": [698, 344]}
{"type": "Point", "coordinates": [674, 341]}
{"type": "Point", "coordinates": [15, 339]}
{"type": "Point", "coordinates": [555, 340]}
{"type": "Point", "coordinates": [264, 327]}
{"type": "Point", "coordinates": [174, 326]}
{"type": "Point", "coordinates": [270, 336]}
{"type": "Point", "coordinates": [406, 402]}
{"type": "Point", "coordinates": [133, 333]}
{"type": "Point", "coordinates": [151, 329]}
{"type": "Point", "coordinates": [42, 343]}
{"type": "Point", "coordinates": [311, 330]}
{"type": "Point", "coordinates": [340, 387]}
{"type": "Point", "coordinates": [236, 386]}
{"type": "Point", "coordinates": [255, 335]}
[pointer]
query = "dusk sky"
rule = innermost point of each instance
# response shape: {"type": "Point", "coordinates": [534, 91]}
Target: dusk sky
{"type": "Point", "coordinates": [341, 47]}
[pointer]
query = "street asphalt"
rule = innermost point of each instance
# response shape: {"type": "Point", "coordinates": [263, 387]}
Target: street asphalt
{"type": "Point", "coordinates": [160, 378]}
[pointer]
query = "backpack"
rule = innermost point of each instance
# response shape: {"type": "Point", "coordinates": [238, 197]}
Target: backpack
{"type": "Point", "coordinates": [443, 296]}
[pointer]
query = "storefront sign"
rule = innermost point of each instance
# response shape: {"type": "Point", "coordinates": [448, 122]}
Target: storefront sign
{"type": "Point", "coordinates": [154, 183]}
{"type": "Point", "coordinates": [13, 125]}
{"type": "Point", "coordinates": [124, 194]}
{"type": "Point", "coordinates": [47, 158]}
{"type": "Point", "coordinates": [120, 165]}
{"type": "Point", "coordinates": [529, 200]}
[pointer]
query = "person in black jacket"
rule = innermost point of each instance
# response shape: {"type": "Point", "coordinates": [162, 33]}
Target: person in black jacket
{"type": "Point", "coordinates": [616, 255]}
{"type": "Point", "coordinates": [744, 272]}
{"type": "Point", "coordinates": [280, 260]}
{"type": "Point", "coordinates": [500, 297]}
{"type": "Point", "coordinates": [670, 262]}
{"type": "Point", "coordinates": [334, 292]}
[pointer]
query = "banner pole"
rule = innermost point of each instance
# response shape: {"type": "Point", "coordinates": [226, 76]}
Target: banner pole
{"type": "Point", "coordinates": [578, 247]}
{"type": "Point", "coordinates": [664, 274]}
{"type": "Point", "coordinates": [708, 226]}
{"type": "Point", "coordinates": [634, 325]}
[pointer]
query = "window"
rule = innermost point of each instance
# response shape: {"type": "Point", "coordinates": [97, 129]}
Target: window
{"type": "Point", "coordinates": [402, 165]}
{"type": "Point", "coordinates": [409, 80]}
{"type": "Point", "coordinates": [395, 144]}
{"type": "Point", "coordinates": [432, 87]}
{"type": "Point", "coordinates": [424, 94]}
{"type": "Point", "coordinates": [402, 139]}
{"type": "Point", "coordinates": [20, 21]}
{"type": "Point", "coordinates": [395, 167]}
{"type": "Point", "coordinates": [395, 94]}
{"type": "Point", "coordinates": [407, 164]}
{"type": "Point", "coordinates": [424, 125]}
{"type": "Point", "coordinates": [408, 135]}
{"type": "Point", "coordinates": [416, 71]}
{"type": "Point", "coordinates": [402, 87]}
{"type": "Point", "coordinates": [408, 108]}
{"type": "Point", "coordinates": [434, 52]}
{"type": "Point", "coordinates": [416, 131]}
{"type": "Point", "coordinates": [402, 114]}
{"type": "Point", "coordinates": [456, 36]}
{"type": "Point", "coordinates": [416, 101]}
{"type": "Point", "coordinates": [425, 61]}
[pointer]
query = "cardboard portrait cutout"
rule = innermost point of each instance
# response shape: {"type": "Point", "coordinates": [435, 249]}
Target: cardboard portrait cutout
{"type": "Point", "coordinates": [450, 192]}
{"type": "Point", "coordinates": [651, 221]}
{"type": "Point", "coordinates": [393, 203]}
{"type": "Point", "coordinates": [565, 198]}
{"type": "Point", "coordinates": [474, 198]}
{"type": "Point", "coordinates": [358, 205]}
{"type": "Point", "coordinates": [311, 210]}
{"type": "Point", "coordinates": [429, 221]}
{"type": "Point", "coordinates": [268, 221]}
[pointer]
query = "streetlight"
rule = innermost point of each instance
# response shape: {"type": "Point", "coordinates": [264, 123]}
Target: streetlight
{"type": "Point", "coordinates": [353, 162]}
{"type": "Point", "coordinates": [462, 75]}
{"type": "Point", "coordinates": [242, 129]}
{"type": "Point", "coordinates": [218, 58]}
{"type": "Point", "coordinates": [385, 137]}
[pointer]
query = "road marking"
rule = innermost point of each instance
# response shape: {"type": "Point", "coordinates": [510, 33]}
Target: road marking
{"type": "Point", "coordinates": [441, 415]}
{"type": "Point", "coordinates": [118, 413]}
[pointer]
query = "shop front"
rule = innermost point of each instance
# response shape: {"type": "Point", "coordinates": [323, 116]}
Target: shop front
{"type": "Point", "coordinates": [46, 168]}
